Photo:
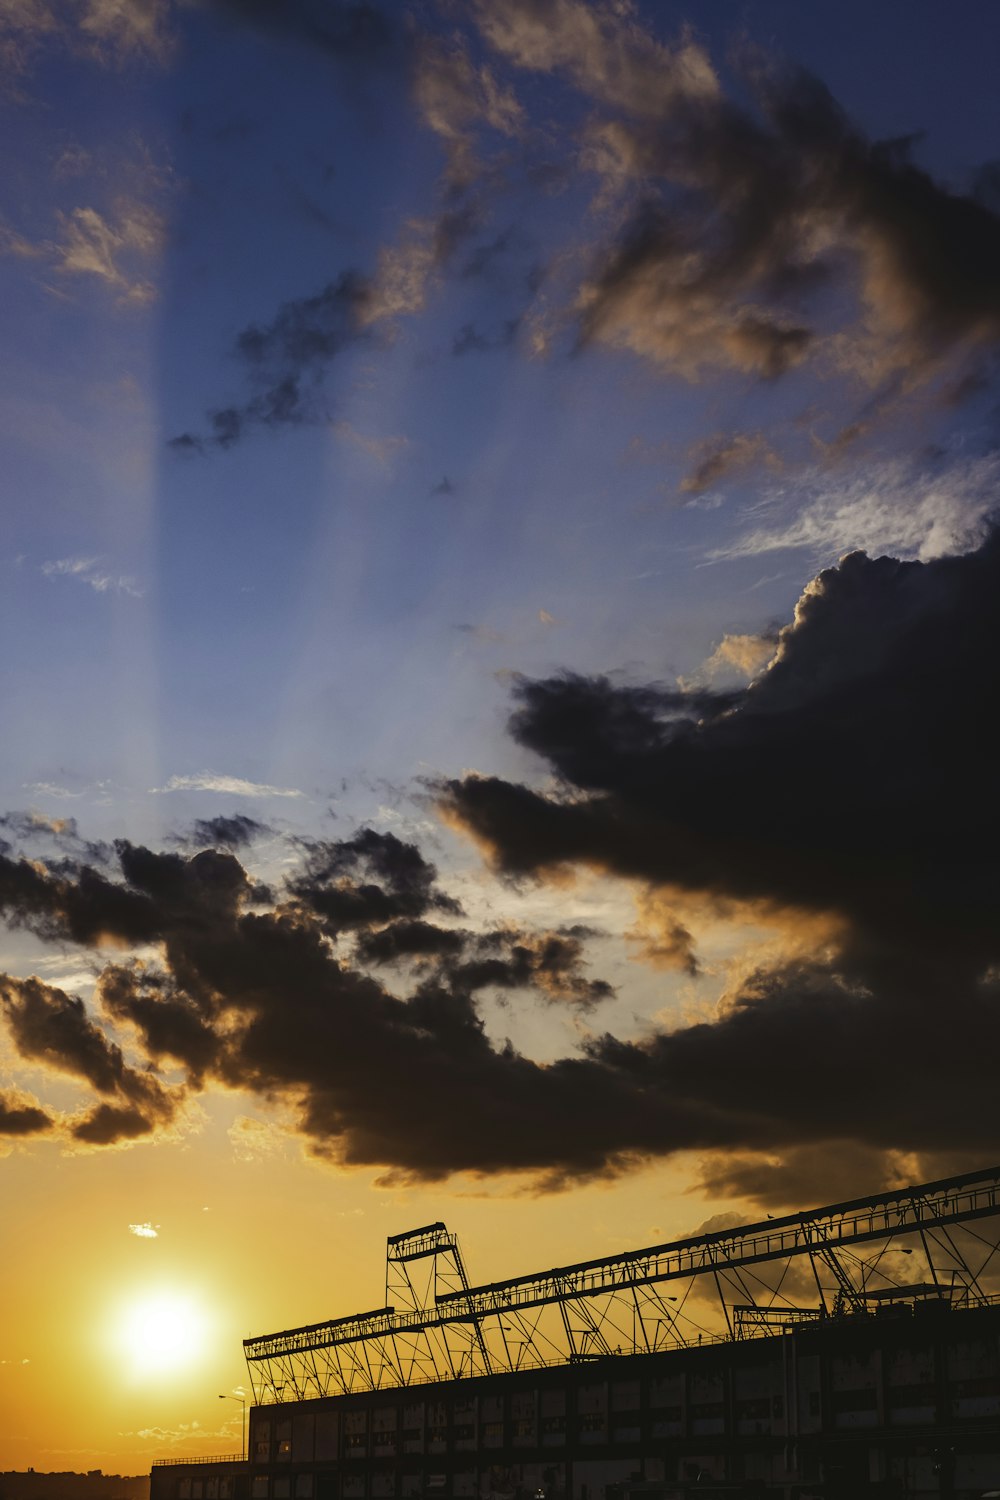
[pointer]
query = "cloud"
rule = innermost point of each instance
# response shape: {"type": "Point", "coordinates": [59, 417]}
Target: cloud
{"type": "Point", "coordinates": [845, 798]}
{"type": "Point", "coordinates": [29, 827]}
{"type": "Point", "coordinates": [92, 571]}
{"type": "Point", "coordinates": [90, 245]}
{"type": "Point", "coordinates": [31, 824]}
{"type": "Point", "coordinates": [745, 218]}
{"type": "Point", "coordinates": [732, 229]}
{"type": "Point", "coordinates": [456, 97]}
{"type": "Point", "coordinates": [900, 506]}
{"type": "Point", "coordinates": [827, 1173]}
{"type": "Point", "coordinates": [236, 786]}
{"type": "Point", "coordinates": [112, 31]}
{"type": "Point", "coordinates": [145, 1231]}
{"type": "Point", "coordinates": [374, 877]}
{"type": "Point", "coordinates": [20, 1115]}
{"type": "Point", "coordinates": [52, 1028]}
{"type": "Point", "coordinates": [260, 1000]}
{"type": "Point", "coordinates": [237, 831]}
{"type": "Point", "coordinates": [113, 248]}
{"type": "Point", "coordinates": [750, 231]}
{"type": "Point", "coordinates": [744, 654]}
{"type": "Point", "coordinates": [288, 359]}
{"type": "Point", "coordinates": [716, 458]}
{"type": "Point", "coordinates": [602, 49]}
{"type": "Point", "coordinates": [851, 781]}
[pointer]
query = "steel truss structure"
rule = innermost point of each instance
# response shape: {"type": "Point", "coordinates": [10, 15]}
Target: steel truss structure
{"type": "Point", "coordinates": [732, 1284]}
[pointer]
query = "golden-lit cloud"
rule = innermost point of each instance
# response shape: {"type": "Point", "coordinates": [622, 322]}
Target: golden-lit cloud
{"type": "Point", "coordinates": [111, 31]}
{"type": "Point", "coordinates": [603, 48]}
{"type": "Point", "coordinates": [115, 248]}
{"type": "Point", "coordinates": [716, 458]}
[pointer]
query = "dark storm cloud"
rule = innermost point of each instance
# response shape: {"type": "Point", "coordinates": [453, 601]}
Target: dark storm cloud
{"type": "Point", "coordinates": [29, 827]}
{"type": "Point", "coordinates": [50, 1027]}
{"type": "Point", "coordinates": [289, 357]}
{"type": "Point", "coordinates": [260, 1001]}
{"type": "Point", "coordinates": [826, 1173]}
{"type": "Point", "coordinates": [374, 877]}
{"type": "Point", "coordinates": [172, 1026]}
{"type": "Point", "coordinates": [829, 783]}
{"type": "Point", "coordinates": [233, 832]}
{"type": "Point", "coordinates": [410, 939]}
{"type": "Point", "coordinates": [548, 963]}
{"type": "Point", "coordinates": [853, 782]}
{"type": "Point", "coordinates": [107, 1124]}
{"type": "Point", "coordinates": [848, 793]}
{"type": "Point", "coordinates": [73, 902]}
{"type": "Point", "coordinates": [18, 1117]}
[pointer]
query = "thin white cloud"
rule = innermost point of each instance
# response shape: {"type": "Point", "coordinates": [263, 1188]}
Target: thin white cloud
{"type": "Point", "coordinates": [145, 1231]}
{"type": "Point", "coordinates": [92, 571]}
{"type": "Point", "coordinates": [886, 508]}
{"type": "Point", "coordinates": [236, 786]}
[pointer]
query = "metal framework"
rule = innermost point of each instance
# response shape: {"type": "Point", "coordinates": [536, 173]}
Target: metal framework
{"type": "Point", "coordinates": [434, 1326]}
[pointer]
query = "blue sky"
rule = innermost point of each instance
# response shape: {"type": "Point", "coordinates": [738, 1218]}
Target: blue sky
{"type": "Point", "coordinates": [232, 610]}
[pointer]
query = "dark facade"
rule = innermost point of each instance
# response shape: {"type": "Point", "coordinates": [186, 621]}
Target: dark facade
{"type": "Point", "coordinates": [903, 1402]}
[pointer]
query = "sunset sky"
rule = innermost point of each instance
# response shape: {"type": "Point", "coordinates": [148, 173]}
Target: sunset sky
{"type": "Point", "coordinates": [500, 685]}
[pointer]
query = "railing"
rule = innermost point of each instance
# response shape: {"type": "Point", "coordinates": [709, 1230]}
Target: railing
{"type": "Point", "coordinates": [211, 1458]}
{"type": "Point", "coordinates": [948, 1201]}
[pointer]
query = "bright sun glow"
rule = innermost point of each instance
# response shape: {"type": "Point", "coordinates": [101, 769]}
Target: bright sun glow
{"type": "Point", "coordinates": [161, 1332]}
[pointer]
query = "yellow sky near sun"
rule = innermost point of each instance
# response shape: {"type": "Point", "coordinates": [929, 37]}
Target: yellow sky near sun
{"type": "Point", "coordinates": [246, 1243]}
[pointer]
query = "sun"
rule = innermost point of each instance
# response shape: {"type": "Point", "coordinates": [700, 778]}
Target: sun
{"type": "Point", "coordinates": [161, 1332]}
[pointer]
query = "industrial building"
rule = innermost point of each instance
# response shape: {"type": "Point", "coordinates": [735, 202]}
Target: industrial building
{"type": "Point", "coordinates": [850, 1351]}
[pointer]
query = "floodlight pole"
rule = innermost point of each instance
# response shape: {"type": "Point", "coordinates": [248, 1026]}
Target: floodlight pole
{"type": "Point", "coordinates": [243, 1421]}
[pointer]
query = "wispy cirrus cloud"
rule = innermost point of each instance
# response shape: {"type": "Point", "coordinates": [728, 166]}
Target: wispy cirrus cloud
{"type": "Point", "coordinates": [110, 31]}
{"type": "Point", "coordinates": [236, 786]}
{"type": "Point", "coordinates": [94, 572]}
{"type": "Point", "coordinates": [895, 507]}
{"type": "Point", "coordinates": [114, 247]}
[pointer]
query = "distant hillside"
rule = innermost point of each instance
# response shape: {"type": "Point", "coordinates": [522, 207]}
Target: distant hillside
{"type": "Point", "coordinates": [93, 1486]}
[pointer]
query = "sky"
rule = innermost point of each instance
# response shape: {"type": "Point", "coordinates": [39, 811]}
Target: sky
{"type": "Point", "coordinates": [500, 592]}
